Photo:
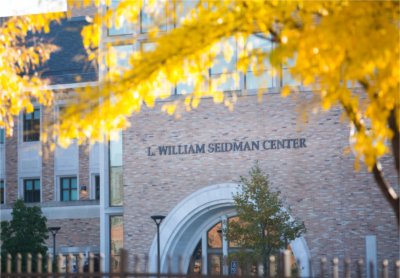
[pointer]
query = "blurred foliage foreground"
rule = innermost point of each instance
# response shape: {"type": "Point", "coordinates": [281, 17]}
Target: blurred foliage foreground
{"type": "Point", "coordinates": [331, 46]}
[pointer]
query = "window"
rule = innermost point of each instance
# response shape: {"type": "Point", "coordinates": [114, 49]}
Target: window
{"type": "Point", "coordinates": [2, 196]}
{"type": "Point", "coordinates": [69, 189]}
{"type": "Point", "coordinates": [214, 236]}
{"type": "Point", "coordinates": [32, 190]}
{"type": "Point", "coordinates": [191, 81]}
{"type": "Point", "coordinates": [116, 240]}
{"type": "Point", "coordinates": [286, 78]}
{"type": "Point", "coordinates": [116, 181]}
{"type": "Point", "coordinates": [224, 76]}
{"type": "Point", "coordinates": [125, 27]}
{"type": "Point", "coordinates": [121, 63]}
{"type": "Point", "coordinates": [2, 135]}
{"type": "Point", "coordinates": [259, 75]}
{"type": "Point", "coordinates": [60, 114]}
{"type": "Point", "coordinates": [196, 263]}
{"type": "Point", "coordinates": [31, 126]}
{"type": "Point", "coordinates": [147, 46]}
{"type": "Point", "coordinates": [214, 249]}
{"type": "Point", "coordinates": [153, 16]}
{"type": "Point", "coordinates": [61, 111]}
{"type": "Point", "coordinates": [183, 10]}
{"type": "Point", "coordinates": [97, 187]}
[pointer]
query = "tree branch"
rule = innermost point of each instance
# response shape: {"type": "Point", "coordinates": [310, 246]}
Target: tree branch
{"type": "Point", "coordinates": [395, 140]}
{"type": "Point", "coordinates": [387, 190]}
{"type": "Point", "coordinates": [262, 36]}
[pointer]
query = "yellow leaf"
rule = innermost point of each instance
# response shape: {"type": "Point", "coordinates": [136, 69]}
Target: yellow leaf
{"type": "Point", "coordinates": [218, 97]}
{"type": "Point", "coordinates": [285, 92]}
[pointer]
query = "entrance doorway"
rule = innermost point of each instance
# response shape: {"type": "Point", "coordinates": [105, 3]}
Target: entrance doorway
{"type": "Point", "coordinates": [213, 254]}
{"type": "Point", "coordinates": [191, 234]}
{"type": "Point", "coordinates": [220, 255]}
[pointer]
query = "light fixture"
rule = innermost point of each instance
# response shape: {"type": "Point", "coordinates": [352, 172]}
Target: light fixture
{"type": "Point", "coordinates": [54, 231]}
{"type": "Point", "coordinates": [158, 219]}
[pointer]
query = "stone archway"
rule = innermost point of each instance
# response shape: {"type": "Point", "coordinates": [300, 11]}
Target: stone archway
{"type": "Point", "coordinates": [183, 227]}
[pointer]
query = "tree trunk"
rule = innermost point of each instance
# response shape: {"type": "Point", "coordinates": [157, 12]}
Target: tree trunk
{"type": "Point", "coordinates": [387, 190]}
{"type": "Point", "coordinates": [264, 252]}
{"type": "Point", "coordinates": [389, 193]}
{"type": "Point", "coordinates": [265, 264]}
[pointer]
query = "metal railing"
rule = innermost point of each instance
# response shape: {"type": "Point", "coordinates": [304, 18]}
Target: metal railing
{"type": "Point", "coordinates": [79, 266]}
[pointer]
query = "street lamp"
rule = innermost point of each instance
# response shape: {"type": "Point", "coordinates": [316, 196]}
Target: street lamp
{"type": "Point", "coordinates": [158, 219]}
{"type": "Point", "coordinates": [54, 231]}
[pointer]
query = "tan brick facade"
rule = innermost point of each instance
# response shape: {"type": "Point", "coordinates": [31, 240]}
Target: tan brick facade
{"type": "Point", "coordinates": [84, 179]}
{"type": "Point", "coordinates": [316, 179]}
{"type": "Point", "coordinates": [318, 182]}
{"type": "Point", "coordinates": [11, 165]}
{"type": "Point", "coordinates": [47, 158]}
{"type": "Point", "coordinates": [77, 231]}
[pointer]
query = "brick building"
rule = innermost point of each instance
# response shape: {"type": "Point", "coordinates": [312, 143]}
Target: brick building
{"type": "Point", "coordinates": [62, 182]}
{"type": "Point", "coordinates": [187, 169]}
{"type": "Point", "coordinates": [305, 161]}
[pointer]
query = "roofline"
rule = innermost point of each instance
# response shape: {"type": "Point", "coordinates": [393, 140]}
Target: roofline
{"type": "Point", "coordinates": [71, 85]}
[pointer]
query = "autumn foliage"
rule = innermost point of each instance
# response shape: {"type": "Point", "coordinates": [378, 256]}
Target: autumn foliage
{"type": "Point", "coordinates": [345, 52]}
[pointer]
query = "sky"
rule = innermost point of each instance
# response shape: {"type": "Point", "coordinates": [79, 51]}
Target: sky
{"type": "Point", "coordinates": [25, 7]}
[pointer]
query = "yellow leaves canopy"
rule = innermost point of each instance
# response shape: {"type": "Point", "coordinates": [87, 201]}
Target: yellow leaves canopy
{"type": "Point", "coordinates": [331, 47]}
{"type": "Point", "coordinates": [17, 88]}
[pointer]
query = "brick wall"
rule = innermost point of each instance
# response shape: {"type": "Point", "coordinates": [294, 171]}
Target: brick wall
{"type": "Point", "coordinates": [76, 232]}
{"type": "Point", "coordinates": [339, 207]}
{"type": "Point", "coordinates": [84, 179]}
{"type": "Point", "coordinates": [47, 157]}
{"type": "Point", "coordinates": [11, 151]}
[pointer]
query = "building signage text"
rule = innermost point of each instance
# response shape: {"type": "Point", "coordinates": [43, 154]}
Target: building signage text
{"type": "Point", "coordinates": [235, 146]}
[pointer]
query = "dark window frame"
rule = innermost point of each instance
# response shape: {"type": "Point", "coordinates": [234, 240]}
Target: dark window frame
{"type": "Point", "coordinates": [32, 195]}
{"type": "Point", "coordinates": [2, 192]}
{"type": "Point", "coordinates": [31, 126]}
{"type": "Point", "coordinates": [70, 189]}
{"type": "Point", "coordinates": [97, 187]}
{"type": "Point", "coordinates": [2, 135]}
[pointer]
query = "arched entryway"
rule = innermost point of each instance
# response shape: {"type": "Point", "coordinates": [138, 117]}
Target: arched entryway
{"type": "Point", "coordinates": [187, 225]}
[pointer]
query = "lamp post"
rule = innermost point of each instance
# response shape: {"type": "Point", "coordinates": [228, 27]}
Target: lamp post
{"type": "Point", "coordinates": [158, 219]}
{"type": "Point", "coordinates": [54, 231]}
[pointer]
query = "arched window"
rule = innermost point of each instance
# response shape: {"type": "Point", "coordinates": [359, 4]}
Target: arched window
{"type": "Point", "coordinates": [214, 250]}
{"type": "Point", "coordinates": [220, 255]}
{"type": "Point", "coordinates": [195, 263]}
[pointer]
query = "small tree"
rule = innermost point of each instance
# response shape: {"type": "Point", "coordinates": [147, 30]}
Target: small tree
{"type": "Point", "coordinates": [25, 233]}
{"type": "Point", "coordinates": [264, 226]}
